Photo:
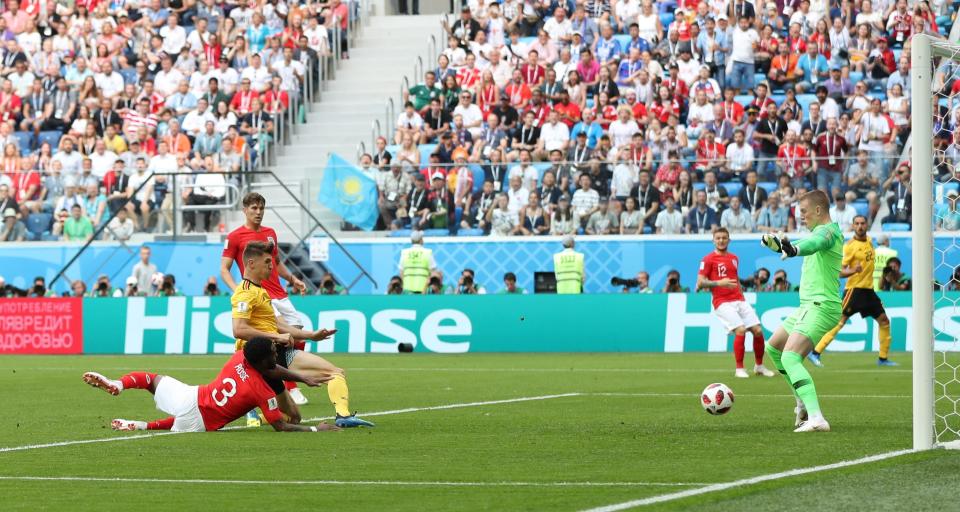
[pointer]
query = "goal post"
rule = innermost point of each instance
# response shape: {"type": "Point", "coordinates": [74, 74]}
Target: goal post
{"type": "Point", "coordinates": [935, 248]}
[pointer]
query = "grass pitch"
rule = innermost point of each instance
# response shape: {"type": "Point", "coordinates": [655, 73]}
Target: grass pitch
{"type": "Point", "coordinates": [626, 427]}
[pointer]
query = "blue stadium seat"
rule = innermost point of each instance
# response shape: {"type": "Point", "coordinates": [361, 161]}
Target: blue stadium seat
{"type": "Point", "coordinates": [51, 137]}
{"type": "Point", "coordinates": [769, 186]}
{"type": "Point", "coordinates": [666, 19]}
{"type": "Point", "coordinates": [896, 226]}
{"type": "Point", "coordinates": [758, 77]}
{"type": "Point", "coordinates": [478, 176]}
{"type": "Point", "coordinates": [541, 167]}
{"type": "Point", "coordinates": [699, 186]}
{"type": "Point", "coordinates": [527, 41]}
{"type": "Point", "coordinates": [436, 232]}
{"type": "Point", "coordinates": [400, 233]}
{"type": "Point", "coordinates": [778, 98]}
{"type": "Point", "coordinates": [861, 207]}
{"type": "Point", "coordinates": [647, 230]}
{"type": "Point", "coordinates": [425, 150]}
{"type": "Point", "coordinates": [24, 139]}
{"type": "Point", "coordinates": [38, 225]}
{"type": "Point", "coordinates": [743, 99]}
{"type": "Point", "coordinates": [855, 76]}
{"type": "Point", "coordinates": [470, 232]}
{"type": "Point", "coordinates": [805, 100]}
{"type": "Point", "coordinates": [733, 187]}
{"type": "Point", "coordinates": [624, 41]}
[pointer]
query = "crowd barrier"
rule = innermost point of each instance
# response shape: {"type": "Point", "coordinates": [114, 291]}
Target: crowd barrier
{"type": "Point", "coordinates": [432, 324]}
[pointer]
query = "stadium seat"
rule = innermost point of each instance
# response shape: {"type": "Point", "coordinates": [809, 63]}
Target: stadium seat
{"type": "Point", "coordinates": [478, 176]}
{"type": "Point", "coordinates": [541, 167]}
{"type": "Point", "coordinates": [400, 233]}
{"type": "Point", "coordinates": [896, 226]}
{"type": "Point", "coordinates": [856, 76]}
{"type": "Point", "coordinates": [666, 19]}
{"type": "Point", "coordinates": [527, 41]}
{"type": "Point", "coordinates": [805, 100]}
{"type": "Point", "coordinates": [778, 97]}
{"type": "Point", "coordinates": [699, 186]}
{"type": "Point", "coordinates": [436, 232]}
{"type": "Point", "coordinates": [769, 186]}
{"type": "Point", "coordinates": [624, 41]}
{"type": "Point", "coordinates": [733, 187]}
{"type": "Point", "coordinates": [38, 225]}
{"type": "Point", "coordinates": [51, 137]}
{"type": "Point", "coordinates": [470, 232]}
{"type": "Point", "coordinates": [425, 150]}
{"type": "Point", "coordinates": [861, 207]}
{"type": "Point", "coordinates": [743, 99]}
{"type": "Point", "coordinates": [647, 230]}
{"type": "Point", "coordinates": [457, 215]}
{"type": "Point", "coordinates": [24, 139]}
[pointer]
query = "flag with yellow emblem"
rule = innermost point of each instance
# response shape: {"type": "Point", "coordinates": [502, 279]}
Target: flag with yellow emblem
{"type": "Point", "coordinates": [349, 193]}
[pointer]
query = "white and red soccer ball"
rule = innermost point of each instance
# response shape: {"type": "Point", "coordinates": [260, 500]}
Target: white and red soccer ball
{"type": "Point", "coordinates": [717, 399]}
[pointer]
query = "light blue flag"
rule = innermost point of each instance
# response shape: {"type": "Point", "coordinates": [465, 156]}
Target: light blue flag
{"type": "Point", "coordinates": [349, 193]}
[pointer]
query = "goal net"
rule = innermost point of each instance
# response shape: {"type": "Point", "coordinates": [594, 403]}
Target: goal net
{"type": "Point", "coordinates": [935, 156]}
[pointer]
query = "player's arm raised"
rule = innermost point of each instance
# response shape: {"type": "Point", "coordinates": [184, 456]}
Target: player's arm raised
{"type": "Point", "coordinates": [288, 276]}
{"type": "Point", "coordinates": [301, 334]}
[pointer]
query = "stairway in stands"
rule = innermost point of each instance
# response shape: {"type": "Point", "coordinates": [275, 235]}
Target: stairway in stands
{"type": "Point", "coordinates": [386, 51]}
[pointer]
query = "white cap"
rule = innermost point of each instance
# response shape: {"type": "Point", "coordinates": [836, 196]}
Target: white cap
{"type": "Point", "coordinates": [131, 281]}
{"type": "Point", "coordinates": [568, 241]}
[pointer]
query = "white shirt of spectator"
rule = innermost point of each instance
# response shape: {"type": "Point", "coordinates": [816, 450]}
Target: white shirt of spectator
{"type": "Point", "coordinates": [102, 163]}
{"type": "Point", "coordinates": [584, 200]}
{"type": "Point", "coordinates": [470, 115]}
{"type": "Point", "coordinates": [409, 122]}
{"type": "Point", "coordinates": [200, 83]}
{"type": "Point", "coordinates": [689, 71]}
{"type": "Point", "coordinates": [671, 223]}
{"type": "Point", "coordinates": [740, 222]}
{"type": "Point", "coordinates": [518, 199]}
{"type": "Point", "coordinates": [174, 39]}
{"type": "Point", "coordinates": [228, 79]}
{"type": "Point", "coordinates": [628, 11]}
{"type": "Point", "coordinates": [861, 103]}
{"type": "Point", "coordinates": [317, 38]}
{"type": "Point", "coordinates": [528, 175]}
{"type": "Point", "coordinates": [21, 83]}
{"type": "Point", "coordinates": [196, 43]}
{"type": "Point", "coordinates": [166, 81]}
{"type": "Point", "coordinates": [703, 114]}
{"type": "Point", "coordinates": [740, 157]}
{"type": "Point", "coordinates": [742, 46]}
{"type": "Point", "coordinates": [163, 164]}
{"type": "Point", "coordinates": [558, 29]}
{"type": "Point", "coordinates": [259, 77]}
{"type": "Point", "coordinates": [621, 133]}
{"type": "Point", "coordinates": [625, 176]}
{"type": "Point", "coordinates": [136, 180]}
{"type": "Point", "coordinates": [70, 161]}
{"type": "Point", "coordinates": [110, 85]}
{"type": "Point", "coordinates": [209, 184]}
{"type": "Point", "coordinates": [843, 217]}
{"type": "Point", "coordinates": [195, 121]}
{"type": "Point", "coordinates": [563, 69]}
{"type": "Point", "coordinates": [873, 125]}
{"type": "Point", "coordinates": [288, 73]}
{"type": "Point", "coordinates": [554, 135]}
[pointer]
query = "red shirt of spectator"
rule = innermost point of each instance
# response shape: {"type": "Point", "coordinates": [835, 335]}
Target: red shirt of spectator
{"type": "Point", "coordinates": [662, 110]}
{"type": "Point", "coordinates": [708, 153]}
{"type": "Point", "coordinates": [830, 145]}
{"type": "Point", "coordinates": [682, 27]}
{"type": "Point", "coordinates": [823, 44]}
{"type": "Point", "coordinates": [212, 52]}
{"type": "Point", "coordinates": [519, 94]}
{"type": "Point", "coordinates": [532, 74]}
{"type": "Point", "coordinates": [243, 100]}
{"type": "Point", "coordinates": [569, 113]}
{"type": "Point", "coordinates": [668, 174]}
{"type": "Point", "coordinates": [468, 77]}
{"type": "Point", "coordinates": [275, 101]}
{"type": "Point", "coordinates": [761, 101]}
{"type": "Point", "coordinates": [793, 158]}
{"type": "Point", "coordinates": [540, 113]}
{"type": "Point", "coordinates": [732, 111]}
{"type": "Point", "coordinates": [26, 185]}
{"type": "Point", "coordinates": [900, 24]}
{"type": "Point", "coordinates": [677, 86]}
{"type": "Point", "coordinates": [30, 7]}
{"type": "Point", "coordinates": [10, 104]}
{"type": "Point", "coordinates": [607, 115]}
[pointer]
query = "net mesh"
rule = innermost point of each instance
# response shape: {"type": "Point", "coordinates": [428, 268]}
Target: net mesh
{"type": "Point", "coordinates": [945, 103]}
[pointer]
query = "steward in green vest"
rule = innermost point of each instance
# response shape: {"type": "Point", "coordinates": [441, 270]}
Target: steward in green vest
{"type": "Point", "coordinates": [568, 268]}
{"type": "Point", "coordinates": [881, 256]}
{"type": "Point", "coordinates": [416, 262]}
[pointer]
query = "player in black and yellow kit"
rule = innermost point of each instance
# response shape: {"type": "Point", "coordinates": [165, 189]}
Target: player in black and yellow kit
{"type": "Point", "coordinates": [254, 317]}
{"type": "Point", "coordinates": [859, 296]}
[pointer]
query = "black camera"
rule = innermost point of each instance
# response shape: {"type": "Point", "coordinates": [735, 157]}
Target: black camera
{"type": "Point", "coordinates": [102, 286]}
{"type": "Point", "coordinates": [329, 285]}
{"type": "Point", "coordinates": [467, 281]}
{"type": "Point", "coordinates": [672, 281]}
{"type": "Point", "coordinates": [39, 290]}
{"type": "Point", "coordinates": [626, 283]}
{"type": "Point", "coordinates": [778, 280]}
{"type": "Point", "coordinates": [435, 281]}
{"type": "Point", "coordinates": [212, 288]}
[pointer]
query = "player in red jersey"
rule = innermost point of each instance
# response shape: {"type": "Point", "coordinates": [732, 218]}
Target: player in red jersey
{"type": "Point", "coordinates": [254, 206]}
{"type": "Point", "coordinates": [239, 387]}
{"type": "Point", "coordinates": [718, 273]}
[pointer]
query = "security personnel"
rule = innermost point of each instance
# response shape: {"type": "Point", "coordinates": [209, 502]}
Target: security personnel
{"type": "Point", "coordinates": [881, 256]}
{"type": "Point", "coordinates": [416, 262]}
{"type": "Point", "coordinates": [568, 267]}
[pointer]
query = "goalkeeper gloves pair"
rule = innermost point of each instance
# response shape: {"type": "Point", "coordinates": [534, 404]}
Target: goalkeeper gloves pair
{"type": "Point", "coordinates": [779, 243]}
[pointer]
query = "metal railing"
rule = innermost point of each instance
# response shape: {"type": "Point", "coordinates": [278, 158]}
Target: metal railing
{"type": "Point", "coordinates": [391, 116]}
{"type": "Point", "coordinates": [374, 132]}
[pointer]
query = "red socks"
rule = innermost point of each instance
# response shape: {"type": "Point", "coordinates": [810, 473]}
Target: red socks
{"type": "Point", "coordinates": [164, 424]}
{"type": "Point", "coordinates": [138, 380]}
{"type": "Point", "coordinates": [758, 349]}
{"type": "Point", "coordinates": [289, 385]}
{"type": "Point", "coordinates": [738, 348]}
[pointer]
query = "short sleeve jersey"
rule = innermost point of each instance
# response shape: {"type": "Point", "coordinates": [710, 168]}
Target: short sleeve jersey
{"type": "Point", "coordinates": [722, 266]}
{"type": "Point", "coordinates": [252, 303]}
{"type": "Point", "coordinates": [237, 389]}
{"type": "Point", "coordinates": [820, 280]}
{"type": "Point", "coordinates": [237, 241]}
{"type": "Point", "coordinates": [857, 252]}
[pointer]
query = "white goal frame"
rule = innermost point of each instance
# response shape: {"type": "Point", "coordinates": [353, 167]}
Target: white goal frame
{"type": "Point", "coordinates": [923, 52]}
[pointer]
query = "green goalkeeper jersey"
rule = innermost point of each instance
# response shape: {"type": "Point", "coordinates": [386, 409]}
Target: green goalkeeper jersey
{"type": "Point", "coordinates": [823, 251]}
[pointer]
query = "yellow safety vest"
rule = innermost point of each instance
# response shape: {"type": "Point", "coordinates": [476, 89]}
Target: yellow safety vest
{"type": "Point", "coordinates": [416, 268]}
{"type": "Point", "coordinates": [881, 256]}
{"type": "Point", "coordinates": [568, 267]}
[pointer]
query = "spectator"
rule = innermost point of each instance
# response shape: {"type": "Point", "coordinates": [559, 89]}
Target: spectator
{"type": "Point", "coordinates": [392, 190]}
{"type": "Point", "coordinates": [502, 220]}
{"type": "Point", "coordinates": [702, 218]}
{"type": "Point", "coordinates": [510, 285]}
{"type": "Point", "coordinates": [13, 229]}
{"type": "Point", "coordinates": [736, 219]}
{"type": "Point", "coordinates": [586, 200]}
{"type": "Point", "coordinates": [863, 177]}
{"type": "Point", "coordinates": [478, 207]}
{"type": "Point", "coordinates": [76, 228]}
{"type": "Point", "coordinates": [948, 216]}
{"type": "Point", "coordinates": [752, 197]}
{"type": "Point", "coordinates": [757, 282]}
{"type": "Point", "coordinates": [743, 48]}
{"type": "Point", "coordinates": [673, 283]}
{"type": "Point", "coordinates": [773, 217]}
{"type": "Point", "coordinates": [831, 148]}
{"type": "Point", "coordinates": [77, 288]}
{"type": "Point", "coordinates": [565, 220]}
{"type": "Point", "coordinates": [603, 221]}
{"type": "Point", "coordinates": [131, 289]}
{"type": "Point", "coordinates": [643, 282]}
{"type": "Point", "coordinates": [144, 270]}
{"type": "Point", "coordinates": [893, 279]}
{"type": "Point", "coordinates": [533, 218]}
{"type": "Point", "coordinates": [329, 286]}
{"type": "Point", "coordinates": [899, 198]}
{"type": "Point", "coordinates": [415, 214]}
{"type": "Point", "coordinates": [168, 287]}
{"type": "Point", "coordinates": [841, 213]}
{"type": "Point", "coordinates": [119, 228]}
{"type": "Point", "coordinates": [670, 220]}
{"type": "Point", "coordinates": [631, 219]}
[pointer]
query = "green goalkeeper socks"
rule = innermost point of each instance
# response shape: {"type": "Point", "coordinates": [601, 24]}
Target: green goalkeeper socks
{"type": "Point", "coordinates": [777, 356]}
{"type": "Point", "coordinates": [801, 381]}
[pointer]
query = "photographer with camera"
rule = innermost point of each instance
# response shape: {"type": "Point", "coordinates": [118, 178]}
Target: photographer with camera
{"type": "Point", "coordinates": [780, 282]}
{"type": "Point", "coordinates": [395, 286]}
{"type": "Point", "coordinates": [435, 286]}
{"type": "Point", "coordinates": [673, 283]}
{"type": "Point", "coordinates": [757, 282]}
{"type": "Point", "coordinates": [132, 290]}
{"type": "Point", "coordinates": [467, 285]}
{"type": "Point", "coordinates": [78, 288]}
{"type": "Point", "coordinates": [212, 289]}
{"type": "Point", "coordinates": [103, 288]}
{"type": "Point", "coordinates": [893, 279]}
{"type": "Point", "coordinates": [168, 288]}
{"type": "Point", "coordinates": [329, 286]}
{"type": "Point", "coordinates": [40, 288]}
{"type": "Point", "coordinates": [641, 283]}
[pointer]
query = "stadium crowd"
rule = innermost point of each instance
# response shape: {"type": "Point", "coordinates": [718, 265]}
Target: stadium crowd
{"type": "Point", "coordinates": [635, 116]}
{"type": "Point", "coordinates": [95, 96]}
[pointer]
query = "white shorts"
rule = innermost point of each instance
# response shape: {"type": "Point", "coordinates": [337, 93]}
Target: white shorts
{"type": "Point", "coordinates": [284, 309]}
{"type": "Point", "coordinates": [736, 314]}
{"type": "Point", "coordinates": [180, 401]}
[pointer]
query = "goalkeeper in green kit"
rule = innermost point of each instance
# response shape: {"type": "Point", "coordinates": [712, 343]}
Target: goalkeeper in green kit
{"type": "Point", "coordinates": [819, 309]}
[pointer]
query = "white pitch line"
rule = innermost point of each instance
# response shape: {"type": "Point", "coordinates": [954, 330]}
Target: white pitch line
{"type": "Point", "coordinates": [741, 395]}
{"type": "Point", "coordinates": [746, 481]}
{"type": "Point", "coordinates": [349, 482]}
{"type": "Point", "coordinates": [474, 370]}
{"type": "Point", "coordinates": [380, 413]}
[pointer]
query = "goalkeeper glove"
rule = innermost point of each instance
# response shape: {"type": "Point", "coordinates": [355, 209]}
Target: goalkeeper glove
{"type": "Point", "coordinates": [771, 241]}
{"type": "Point", "coordinates": [788, 249]}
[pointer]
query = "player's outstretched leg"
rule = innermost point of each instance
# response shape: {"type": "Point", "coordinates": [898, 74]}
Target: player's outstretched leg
{"type": "Point", "coordinates": [337, 390]}
{"type": "Point", "coordinates": [164, 424]}
{"type": "Point", "coordinates": [779, 338]}
{"type": "Point", "coordinates": [133, 380]}
{"type": "Point", "coordinates": [739, 340]}
{"type": "Point", "coordinates": [884, 324]}
{"type": "Point", "coordinates": [758, 344]}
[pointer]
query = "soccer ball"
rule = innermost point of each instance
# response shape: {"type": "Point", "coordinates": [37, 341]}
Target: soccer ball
{"type": "Point", "coordinates": [717, 399]}
{"type": "Point", "coordinates": [156, 279]}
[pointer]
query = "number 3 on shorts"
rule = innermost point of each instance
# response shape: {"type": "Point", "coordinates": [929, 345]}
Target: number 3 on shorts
{"type": "Point", "coordinates": [227, 393]}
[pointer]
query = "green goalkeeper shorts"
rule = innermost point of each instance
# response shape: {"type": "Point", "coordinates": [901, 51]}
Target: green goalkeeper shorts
{"type": "Point", "coordinates": [813, 320]}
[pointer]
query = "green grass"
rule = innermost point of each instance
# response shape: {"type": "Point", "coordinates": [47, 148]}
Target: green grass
{"type": "Point", "coordinates": [636, 421]}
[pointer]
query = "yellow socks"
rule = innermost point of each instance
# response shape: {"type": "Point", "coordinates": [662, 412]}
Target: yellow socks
{"type": "Point", "coordinates": [339, 395]}
{"type": "Point", "coordinates": [884, 340]}
{"type": "Point", "coordinates": [827, 339]}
